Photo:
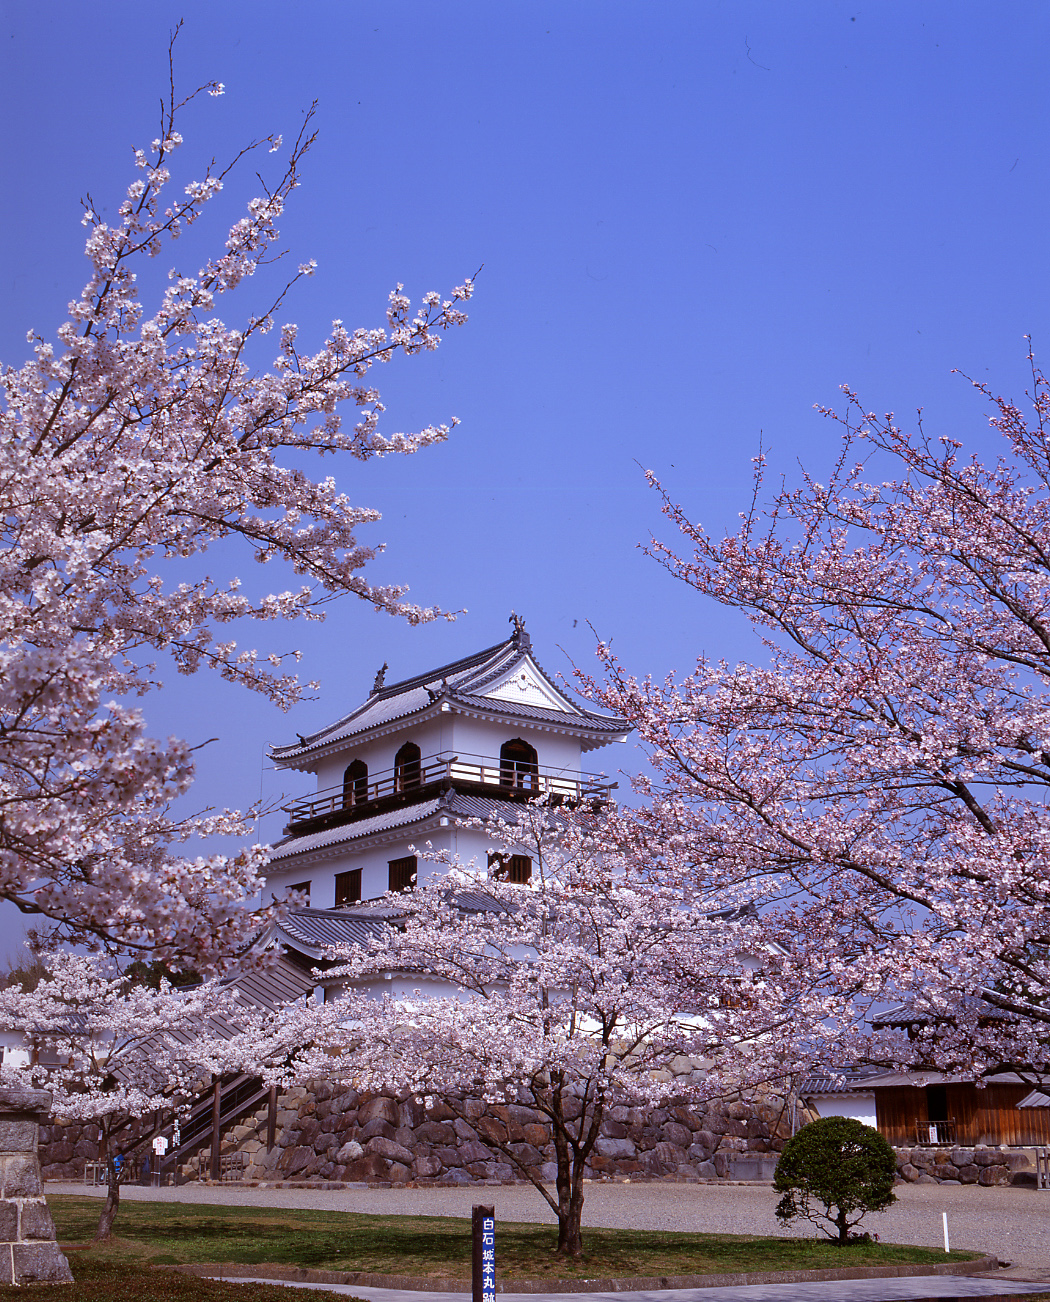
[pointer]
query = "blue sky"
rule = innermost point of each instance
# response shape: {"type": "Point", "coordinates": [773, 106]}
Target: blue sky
{"type": "Point", "coordinates": [696, 220]}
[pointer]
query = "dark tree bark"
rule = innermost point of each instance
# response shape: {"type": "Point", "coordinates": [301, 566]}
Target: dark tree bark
{"type": "Point", "coordinates": [572, 1147]}
{"type": "Point", "coordinates": [114, 1175]}
{"type": "Point", "coordinates": [574, 1139]}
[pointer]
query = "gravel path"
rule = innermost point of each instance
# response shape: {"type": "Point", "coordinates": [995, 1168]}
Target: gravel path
{"type": "Point", "coordinates": [1012, 1223]}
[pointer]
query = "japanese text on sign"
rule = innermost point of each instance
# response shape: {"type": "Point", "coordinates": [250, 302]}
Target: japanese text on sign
{"type": "Point", "coordinates": [488, 1259]}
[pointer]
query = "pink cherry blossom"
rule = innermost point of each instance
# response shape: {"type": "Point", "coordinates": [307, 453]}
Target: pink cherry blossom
{"type": "Point", "coordinates": [135, 439]}
{"type": "Point", "coordinates": [876, 782]}
{"type": "Point", "coordinates": [116, 1052]}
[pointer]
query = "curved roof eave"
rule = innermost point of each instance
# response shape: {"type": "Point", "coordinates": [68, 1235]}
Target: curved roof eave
{"type": "Point", "coordinates": [598, 729]}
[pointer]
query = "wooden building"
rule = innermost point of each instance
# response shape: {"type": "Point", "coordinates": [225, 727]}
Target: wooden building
{"type": "Point", "coordinates": [929, 1108]}
{"type": "Point", "coordinates": [946, 1111]}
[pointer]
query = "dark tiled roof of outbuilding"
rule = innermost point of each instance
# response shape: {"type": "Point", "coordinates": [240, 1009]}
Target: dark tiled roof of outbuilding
{"type": "Point", "coordinates": [847, 1081]}
{"type": "Point", "coordinates": [904, 1015]}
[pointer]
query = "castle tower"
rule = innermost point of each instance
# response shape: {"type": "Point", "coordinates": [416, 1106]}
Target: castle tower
{"type": "Point", "coordinates": [465, 740]}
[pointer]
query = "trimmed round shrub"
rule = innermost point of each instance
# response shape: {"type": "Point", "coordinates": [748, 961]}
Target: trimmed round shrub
{"type": "Point", "coordinates": [832, 1172]}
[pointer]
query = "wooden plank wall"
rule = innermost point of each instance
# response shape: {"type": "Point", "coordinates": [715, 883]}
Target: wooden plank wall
{"type": "Point", "coordinates": [988, 1116]}
{"type": "Point", "coordinates": [997, 1120]}
{"type": "Point", "coordinates": [896, 1108]}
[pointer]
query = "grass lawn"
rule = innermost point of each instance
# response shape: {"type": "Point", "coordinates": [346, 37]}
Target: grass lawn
{"type": "Point", "coordinates": [427, 1246]}
{"type": "Point", "coordinates": [101, 1277]}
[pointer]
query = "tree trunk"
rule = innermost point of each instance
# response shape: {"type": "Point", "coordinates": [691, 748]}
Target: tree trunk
{"type": "Point", "coordinates": [843, 1224]}
{"type": "Point", "coordinates": [570, 1218]}
{"type": "Point", "coordinates": [570, 1182]}
{"type": "Point", "coordinates": [112, 1204]}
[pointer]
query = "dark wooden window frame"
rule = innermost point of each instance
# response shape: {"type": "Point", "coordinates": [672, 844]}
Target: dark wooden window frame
{"type": "Point", "coordinates": [408, 772]}
{"type": "Point", "coordinates": [355, 784]}
{"type": "Point", "coordinates": [402, 873]}
{"type": "Point", "coordinates": [514, 868]}
{"type": "Point", "coordinates": [519, 766]}
{"type": "Point", "coordinates": [348, 887]}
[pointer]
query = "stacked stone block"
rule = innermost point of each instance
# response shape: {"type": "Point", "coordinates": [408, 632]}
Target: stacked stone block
{"type": "Point", "coordinates": [983, 1166]}
{"type": "Point", "coordinates": [65, 1146]}
{"type": "Point", "coordinates": [28, 1251]}
{"type": "Point", "coordinates": [329, 1133]}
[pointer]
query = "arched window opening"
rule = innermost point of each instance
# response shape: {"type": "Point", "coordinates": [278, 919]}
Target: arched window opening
{"type": "Point", "coordinates": [355, 784]}
{"type": "Point", "coordinates": [407, 767]}
{"type": "Point", "coordinates": [518, 766]}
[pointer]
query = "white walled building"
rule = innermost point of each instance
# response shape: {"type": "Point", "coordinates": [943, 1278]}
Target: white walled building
{"type": "Point", "coordinates": [465, 740]}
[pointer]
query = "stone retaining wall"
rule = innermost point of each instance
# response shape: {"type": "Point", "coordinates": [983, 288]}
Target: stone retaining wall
{"type": "Point", "coordinates": [983, 1166]}
{"type": "Point", "coordinates": [332, 1133]}
{"type": "Point", "coordinates": [65, 1146]}
{"type": "Point", "coordinates": [329, 1133]}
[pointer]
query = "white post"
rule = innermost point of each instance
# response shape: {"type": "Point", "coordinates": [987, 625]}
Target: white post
{"type": "Point", "coordinates": [944, 1217]}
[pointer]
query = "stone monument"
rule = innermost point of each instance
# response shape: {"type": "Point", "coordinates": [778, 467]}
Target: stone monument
{"type": "Point", "coordinates": [28, 1251]}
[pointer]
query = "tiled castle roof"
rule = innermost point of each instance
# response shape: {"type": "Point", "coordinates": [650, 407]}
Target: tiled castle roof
{"type": "Point", "coordinates": [456, 804]}
{"type": "Point", "coordinates": [461, 688]}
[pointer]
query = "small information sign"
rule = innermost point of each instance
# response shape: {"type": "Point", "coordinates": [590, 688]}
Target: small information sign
{"type": "Point", "coordinates": [483, 1226]}
{"type": "Point", "coordinates": [160, 1145]}
{"type": "Point", "coordinates": [488, 1259]}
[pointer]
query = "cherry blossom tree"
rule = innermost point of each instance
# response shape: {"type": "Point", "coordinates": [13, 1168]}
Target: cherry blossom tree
{"type": "Point", "coordinates": [129, 444]}
{"type": "Point", "coordinates": [118, 1053]}
{"type": "Point", "coordinates": [876, 783]}
{"type": "Point", "coordinates": [570, 994]}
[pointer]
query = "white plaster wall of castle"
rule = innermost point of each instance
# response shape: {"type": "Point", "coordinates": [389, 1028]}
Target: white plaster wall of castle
{"type": "Point", "coordinates": [431, 737]}
{"type": "Point", "coordinates": [469, 844]}
{"type": "Point", "coordinates": [479, 737]}
{"type": "Point", "coordinates": [451, 734]}
{"type": "Point", "coordinates": [397, 985]}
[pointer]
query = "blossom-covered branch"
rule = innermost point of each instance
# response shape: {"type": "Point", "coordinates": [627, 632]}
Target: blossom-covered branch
{"type": "Point", "coordinates": [130, 445]}
{"type": "Point", "coordinates": [113, 1052]}
{"type": "Point", "coordinates": [878, 785]}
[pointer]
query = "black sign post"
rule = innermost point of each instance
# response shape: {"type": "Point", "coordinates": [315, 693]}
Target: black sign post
{"type": "Point", "coordinates": [483, 1259]}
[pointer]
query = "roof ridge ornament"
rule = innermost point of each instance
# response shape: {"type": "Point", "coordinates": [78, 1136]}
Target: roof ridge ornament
{"type": "Point", "coordinates": [519, 637]}
{"type": "Point", "coordinates": [377, 686]}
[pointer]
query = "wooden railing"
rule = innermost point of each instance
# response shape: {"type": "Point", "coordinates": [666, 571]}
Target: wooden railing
{"type": "Point", "coordinates": [935, 1132]}
{"type": "Point", "coordinates": [507, 776]}
{"type": "Point", "coordinates": [238, 1095]}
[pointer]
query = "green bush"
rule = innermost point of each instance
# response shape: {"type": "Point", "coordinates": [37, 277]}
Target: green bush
{"type": "Point", "coordinates": [832, 1172]}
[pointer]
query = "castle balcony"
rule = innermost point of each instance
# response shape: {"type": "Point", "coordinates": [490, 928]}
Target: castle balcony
{"type": "Point", "coordinates": [430, 775]}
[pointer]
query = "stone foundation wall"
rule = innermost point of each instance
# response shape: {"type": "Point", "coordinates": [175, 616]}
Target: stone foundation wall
{"type": "Point", "coordinates": [64, 1148]}
{"type": "Point", "coordinates": [983, 1166]}
{"type": "Point", "coordinates": [326, 1133]}
{"type": "Point", "coordinates": [329, 1133]}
